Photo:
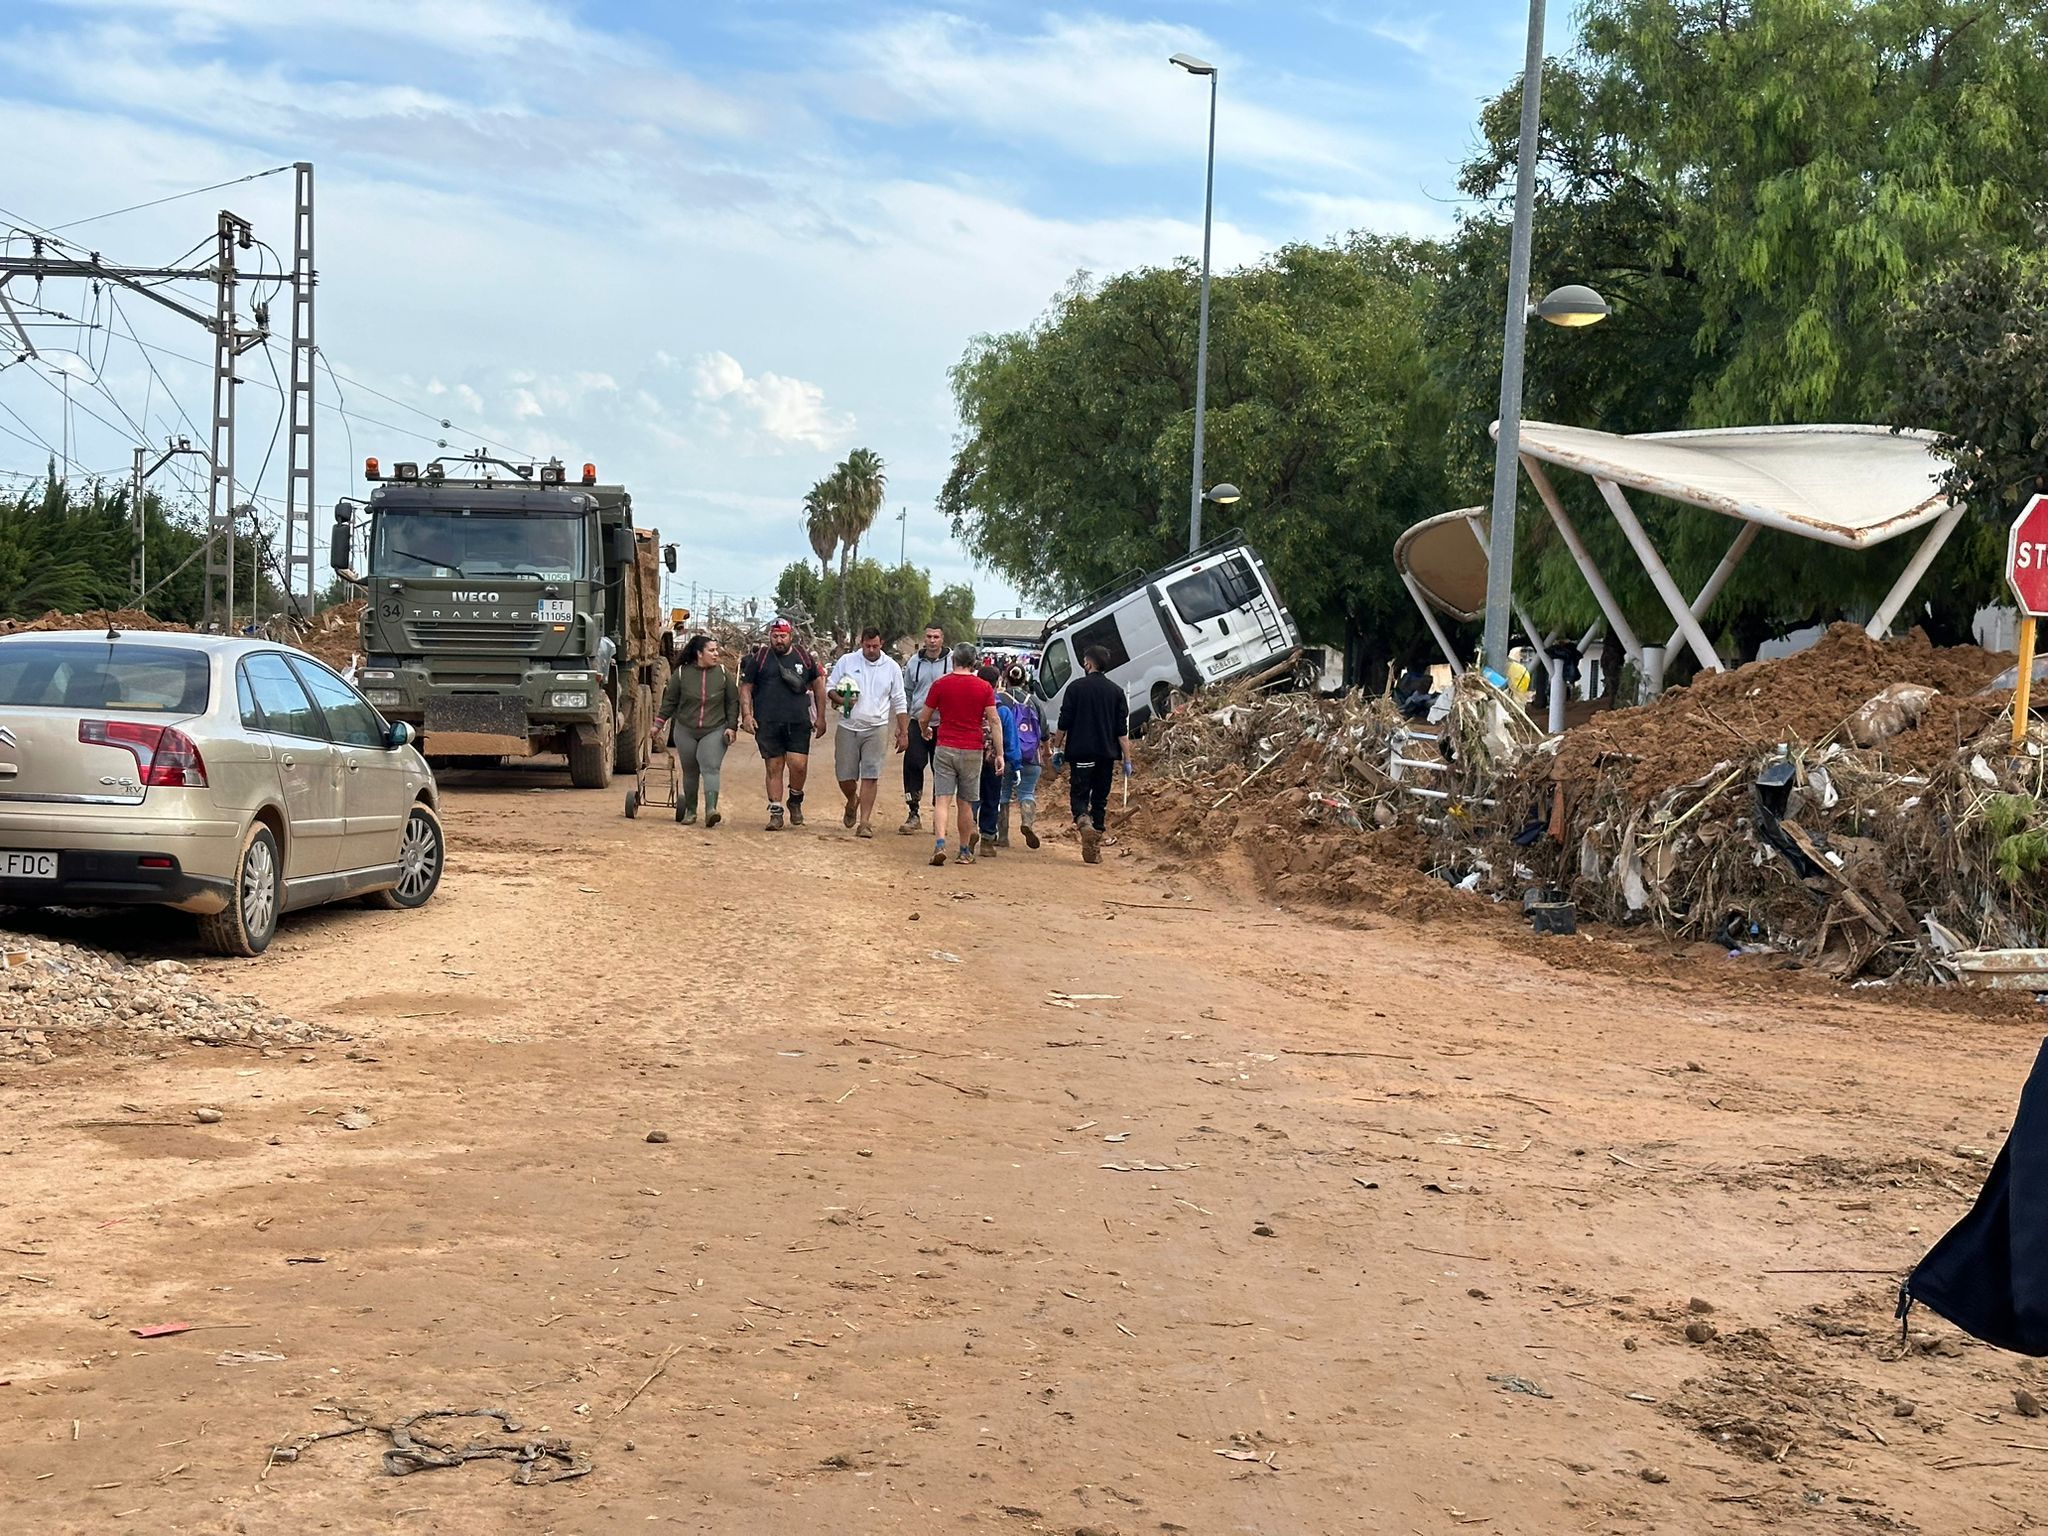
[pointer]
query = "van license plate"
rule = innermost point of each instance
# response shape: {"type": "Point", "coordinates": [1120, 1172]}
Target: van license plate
{"type": "Point", "coordinates": [15, 864]}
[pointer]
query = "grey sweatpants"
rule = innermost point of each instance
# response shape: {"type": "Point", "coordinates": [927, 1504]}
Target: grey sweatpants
{"type": "Point", "coordinates": [702, 753]}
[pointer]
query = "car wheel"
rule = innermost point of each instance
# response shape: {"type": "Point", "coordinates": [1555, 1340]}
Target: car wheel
{"type": "Point", "coordinates": [245, 925]}
{"type": "Point", "coordinates": [421, 853]}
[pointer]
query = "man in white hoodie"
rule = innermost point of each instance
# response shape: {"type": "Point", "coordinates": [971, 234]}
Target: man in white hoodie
{"type": "Point", "coordinates": [866, 687]}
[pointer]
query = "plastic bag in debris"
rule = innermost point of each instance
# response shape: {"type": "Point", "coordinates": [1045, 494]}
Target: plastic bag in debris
{"type": "Point", "coordinates": [1895, 708]}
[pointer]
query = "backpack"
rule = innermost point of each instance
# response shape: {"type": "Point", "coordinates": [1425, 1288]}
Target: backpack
{"type": "Point", "coordinates": [1029, 729]}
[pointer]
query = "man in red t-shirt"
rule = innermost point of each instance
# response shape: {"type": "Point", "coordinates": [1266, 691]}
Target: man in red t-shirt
{"type": "Point", "coordinates": [956, 709]}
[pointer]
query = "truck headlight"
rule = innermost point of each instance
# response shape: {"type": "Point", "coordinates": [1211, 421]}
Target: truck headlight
{"type": "Point", "coordinates": [382, 697]}
{"type": "Point", "coordinates": [575, 700]}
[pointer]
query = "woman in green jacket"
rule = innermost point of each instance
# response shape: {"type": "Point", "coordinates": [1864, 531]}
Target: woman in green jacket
{"type": "Point", "coordinates": [700, 713]}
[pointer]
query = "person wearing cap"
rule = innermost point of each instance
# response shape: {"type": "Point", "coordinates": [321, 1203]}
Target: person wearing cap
{"type": "Point", "coordinates": [782, 701]}
{"type": "Point", "coordinates": [867, 685]}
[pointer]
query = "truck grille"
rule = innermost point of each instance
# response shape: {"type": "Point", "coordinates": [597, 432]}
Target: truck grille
{"type": "Point", "coordinates": [456, 635]}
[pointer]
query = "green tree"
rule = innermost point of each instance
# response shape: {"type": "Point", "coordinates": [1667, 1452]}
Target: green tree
{"type": "Point", "coordinates": [1323, 409]}
{"type": "Point", "coordinates": [896, 599]}
{"type": "Point", "coordinates": [70, 548]}
{"type": "Point", "coordinates": [821, 525]}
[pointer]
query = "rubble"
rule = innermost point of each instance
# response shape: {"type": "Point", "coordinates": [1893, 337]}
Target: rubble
{"type": "Point", "coordinates": [1855, 806]}
{"type": "Point", "coordinates": [56, 997]}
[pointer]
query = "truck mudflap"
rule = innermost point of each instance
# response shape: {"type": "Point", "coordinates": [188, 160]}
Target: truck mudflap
{"type": "Point", "coordinates": [476, 725]}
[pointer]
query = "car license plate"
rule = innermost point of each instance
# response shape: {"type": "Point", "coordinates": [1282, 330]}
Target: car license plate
{"type": "Point", "coordinates": [15, 864]}
{"type": "Point", "coordinates": [554, 610]}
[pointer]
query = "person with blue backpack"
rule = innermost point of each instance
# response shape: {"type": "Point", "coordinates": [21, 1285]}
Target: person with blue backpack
{"type": "Point", "coordinates": [1026, 759]}
{"type": "Point", "coordinates": [999, 754]}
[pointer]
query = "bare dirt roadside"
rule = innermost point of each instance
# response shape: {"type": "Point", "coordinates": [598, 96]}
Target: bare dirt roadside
{"type": "Point", "coordinates": [1299, 1229]}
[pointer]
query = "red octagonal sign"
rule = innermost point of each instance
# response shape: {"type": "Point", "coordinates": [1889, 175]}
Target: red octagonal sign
{"type": "Point", "coordinates": [2026, 558]}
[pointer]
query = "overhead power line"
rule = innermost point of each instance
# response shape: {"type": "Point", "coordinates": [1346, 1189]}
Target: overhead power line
{"type": "Point", "coordinates": [158, 202]}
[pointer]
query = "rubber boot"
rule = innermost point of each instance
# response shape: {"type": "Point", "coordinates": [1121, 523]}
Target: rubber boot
{"type": "Point", "coordinates": [711, 816]}
{"type": "Point", "coordinates": [686, 802]}
{"type": "Point", "coordinates": [1003, 823]}
{"type": "Point", "coordinates": [1029, 819]}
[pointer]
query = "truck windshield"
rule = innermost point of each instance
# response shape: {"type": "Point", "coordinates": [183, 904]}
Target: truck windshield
{"type": "Point", "coordinates": [460, 541]}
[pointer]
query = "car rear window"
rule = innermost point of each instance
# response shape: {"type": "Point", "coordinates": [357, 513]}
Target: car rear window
{"type": "Point", "coordinates": [103, 674]}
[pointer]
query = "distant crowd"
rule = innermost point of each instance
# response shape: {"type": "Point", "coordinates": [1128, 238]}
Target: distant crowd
{"type": "Point", "coordinates": [977, 731]}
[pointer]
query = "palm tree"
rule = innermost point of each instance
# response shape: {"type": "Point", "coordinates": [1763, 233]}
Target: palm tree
{"type": "Point", "coordinates": [863, 486]}
{"type": "Point", "coordinates": [821, 523]}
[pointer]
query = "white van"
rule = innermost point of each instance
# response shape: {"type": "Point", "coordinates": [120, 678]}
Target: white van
{"type": "Point", "coordinates": [1209, 617]}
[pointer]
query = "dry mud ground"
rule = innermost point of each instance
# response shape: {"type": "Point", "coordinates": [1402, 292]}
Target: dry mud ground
{"type": "Point", "coordinates": [1278, 1237]}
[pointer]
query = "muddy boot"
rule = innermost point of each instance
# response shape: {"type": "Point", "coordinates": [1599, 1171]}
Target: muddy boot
{"type": "Point", "coordinates": [711, 816]}
{"type": "Point", "coordinates": [796, 809]}
{"type": "Point", "coordinates": [1028, 820]}
{"type": "Point", "coordinates": [913, 822]}
{"type": "Point", "coordinates": [1091, 843]}
{"type": "Point", "coordinates": [774, 818]}
{"type": "Point", "coordinates": [1003, 823]}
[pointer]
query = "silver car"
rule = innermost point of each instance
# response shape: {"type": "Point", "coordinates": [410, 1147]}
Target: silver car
{"type": "Point", "coordinates": [234, 779]}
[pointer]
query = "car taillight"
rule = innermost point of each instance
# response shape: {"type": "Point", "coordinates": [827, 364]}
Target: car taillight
{"type": "Point", "coordinates": [164, 756]}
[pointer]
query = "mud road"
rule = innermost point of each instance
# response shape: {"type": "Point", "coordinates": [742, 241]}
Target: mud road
{"type": "Point", "coordinates": [1027, 1198]}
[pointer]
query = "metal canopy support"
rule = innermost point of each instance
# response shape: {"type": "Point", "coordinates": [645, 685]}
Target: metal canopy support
{"type": "Point", "coordinates": [1719, 579]}
{"type": "Point", "coordinates": [1567, 530]}
{"type": "Point", "coordinates": [1881, 621]}
{"type": "Point", "coordinates": [1443, 642]}
{"type": "Point", "coordinates": [298, 485]}
{"type": "Point", "coordinates": [1689, 626]}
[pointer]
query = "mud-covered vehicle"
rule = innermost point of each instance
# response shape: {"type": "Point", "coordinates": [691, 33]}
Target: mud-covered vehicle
{"type": "Point", "coordinates": [510, 612]}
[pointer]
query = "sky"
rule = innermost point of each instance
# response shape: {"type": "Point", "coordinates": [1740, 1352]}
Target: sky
{"type": "Point", "coordinates": [708, 245]}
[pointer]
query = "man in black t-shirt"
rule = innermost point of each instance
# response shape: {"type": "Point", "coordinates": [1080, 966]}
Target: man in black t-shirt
{"type": "Point", "coordinates": [782, 701]}
{"type": "Point", "coordinates": [1094, 732]}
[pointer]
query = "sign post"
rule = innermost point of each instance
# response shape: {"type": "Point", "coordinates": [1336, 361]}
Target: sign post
{"type": "Point", "coordinates": [2026, 572]}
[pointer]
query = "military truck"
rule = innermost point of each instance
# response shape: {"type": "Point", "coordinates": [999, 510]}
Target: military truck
{"type": "Point", "coordinates": [509, 611]}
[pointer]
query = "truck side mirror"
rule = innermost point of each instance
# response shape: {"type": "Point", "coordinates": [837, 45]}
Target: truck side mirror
{"type": "Point", "coordinates": [619, 544]}
{"type": "Point", "coordinates": [668, 558]}
{"type": "Point", "coordinates": [340, 552]}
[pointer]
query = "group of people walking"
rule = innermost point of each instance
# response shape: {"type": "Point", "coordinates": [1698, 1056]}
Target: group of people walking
{"type": "Point", "coordinates": [978, 733]}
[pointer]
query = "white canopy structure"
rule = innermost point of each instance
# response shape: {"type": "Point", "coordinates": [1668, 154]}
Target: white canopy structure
{"type": "Point", "coordinates": [1442, 562]}
{"type": "Point", "coordinates": [1850, 486]}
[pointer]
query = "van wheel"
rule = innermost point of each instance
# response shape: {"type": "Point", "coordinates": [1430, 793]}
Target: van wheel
{"type": "Point", "coordinates": [245, 925]}
{"type": "Point", "coordinates": [421, 854]}
{"type": "Point", "coordinates": [1162, 701]}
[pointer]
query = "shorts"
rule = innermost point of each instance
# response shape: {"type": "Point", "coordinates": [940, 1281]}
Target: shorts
{"type": "Point", "coordinates": [858, 754]}
{"type": "Point", "coordinates": [957, 771]}
{"type": "Point", "coordinates": [776, 739]}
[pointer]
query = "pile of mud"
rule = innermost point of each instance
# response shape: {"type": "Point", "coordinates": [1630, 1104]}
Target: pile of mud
{"type": "Point", "coordinates": [1800, 700]}
{"type": "Point", "coordinates": [123, 619]}
{"type": "Point", "coordinates": [333, 634]}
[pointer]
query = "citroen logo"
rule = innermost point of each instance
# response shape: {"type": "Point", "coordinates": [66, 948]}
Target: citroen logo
{"type": "Point", "coordinates": [7, 738]}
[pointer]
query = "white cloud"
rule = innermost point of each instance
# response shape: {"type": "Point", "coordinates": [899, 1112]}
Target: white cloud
{"type": "Point", "coordinates": [782, 411]}
{"type": "Point", "coordinates": [1101, 89]}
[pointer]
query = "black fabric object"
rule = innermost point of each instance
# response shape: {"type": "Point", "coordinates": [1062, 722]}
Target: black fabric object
{"type": "Point", "coordinates": [1989, 1274]}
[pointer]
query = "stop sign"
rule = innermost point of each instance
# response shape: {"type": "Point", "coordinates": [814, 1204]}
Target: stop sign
{"type": "Point", "coordinates": [2026, 558]}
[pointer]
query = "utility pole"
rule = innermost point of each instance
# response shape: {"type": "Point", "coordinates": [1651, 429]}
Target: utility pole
{"type": "Point", "coordinates": [903, 539]}
{"type": "Point", "coordinates": [138, 478]}
{"type": "Point", "coordinates": [298, 484]}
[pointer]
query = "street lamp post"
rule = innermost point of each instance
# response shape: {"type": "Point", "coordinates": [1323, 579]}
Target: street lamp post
{"type": "Point", "coordinates": [1196, 66]}
{"type": "Point", "coordinates": [1507, 453]}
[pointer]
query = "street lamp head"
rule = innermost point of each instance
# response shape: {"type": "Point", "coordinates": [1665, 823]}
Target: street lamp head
{"type": "Point", "coordinates": [1224, 495]}
{"type": "Point", "coordinates": [1191, 64]}
{"type": "Point", "coordinates": [1574, 304]}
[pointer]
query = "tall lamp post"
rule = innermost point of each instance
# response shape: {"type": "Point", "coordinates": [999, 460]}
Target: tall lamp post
{"type": "Point", "coordinates": [1195, 66]}
{"type": "Point", "coordinates": [1571, 305]}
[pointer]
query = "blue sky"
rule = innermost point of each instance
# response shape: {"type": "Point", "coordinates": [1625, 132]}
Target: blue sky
{"type": "Point", "coordinates": [710, 246]}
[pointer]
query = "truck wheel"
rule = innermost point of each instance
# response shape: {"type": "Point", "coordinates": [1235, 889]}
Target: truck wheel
{"type": "Point", "coordinates": [634, 728]}
{"type": "Point", "coordinates": [245, 925]}
{"type": "Point", "coordinates": [590, 754]}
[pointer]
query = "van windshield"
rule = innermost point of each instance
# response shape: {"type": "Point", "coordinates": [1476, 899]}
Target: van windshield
{"type": "Point", "coordinates": [103, 674]}
{"type": "Point", "coordinates": [1054, 669]}
{"type": "Point", "coordinates": [1221, 589]}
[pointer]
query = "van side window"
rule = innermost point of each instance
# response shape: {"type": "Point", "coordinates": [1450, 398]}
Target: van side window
{"type": "Point", "coordinates": [1103, 632]}
{"type": "Point", "coordinates": [1055, 668]}
{"type": "Point", "coordinates": [1209, 594]}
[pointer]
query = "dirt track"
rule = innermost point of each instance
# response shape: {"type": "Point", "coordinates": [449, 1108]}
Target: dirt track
{"type": "Point", "coordinates": [1272, 1240]}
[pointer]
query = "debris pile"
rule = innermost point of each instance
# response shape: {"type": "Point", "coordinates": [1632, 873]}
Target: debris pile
{"type": "Point", "coordinates": [55, 997]}
{"type": "Point", "coordinates": [93, 618]}
{"type": "Point", "coordinates": [1855, 806]}
{"type": "Point", "coordinates": [333, 634]}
